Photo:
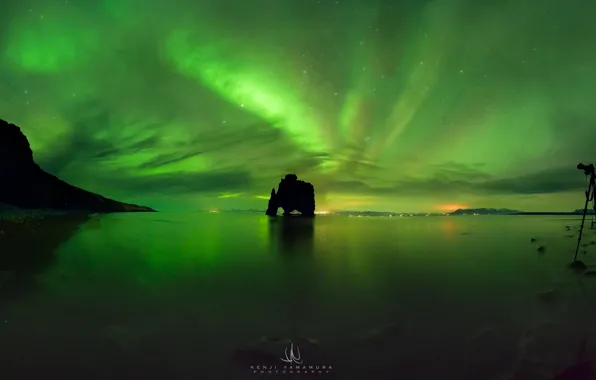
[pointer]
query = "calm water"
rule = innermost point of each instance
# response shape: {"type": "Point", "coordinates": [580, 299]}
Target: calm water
{"type": "Point", "coordinates": [174, 296]}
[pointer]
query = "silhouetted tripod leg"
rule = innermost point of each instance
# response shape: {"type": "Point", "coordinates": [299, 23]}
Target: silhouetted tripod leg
{"type": "Point", "coordinates": [593, 205]}
{"type": "Point", "coordinates": [589, 197]}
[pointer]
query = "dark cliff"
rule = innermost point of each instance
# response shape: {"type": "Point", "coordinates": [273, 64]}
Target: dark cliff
{"type": "Point", "coordinates": [25, 185]}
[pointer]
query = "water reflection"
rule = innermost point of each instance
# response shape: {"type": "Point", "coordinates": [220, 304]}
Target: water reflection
{"type": "Point", "coordinates": [292, 235]}
{"type": "Point", "coordinates": [28, 248]}
{"type": "Point", "coordinates": [292, 239]}
{"type": "Point", "coordinates": [131, 287]}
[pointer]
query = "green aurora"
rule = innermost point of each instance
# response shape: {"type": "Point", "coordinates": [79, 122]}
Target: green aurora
{"type": "Point", "coordinates": [383, 105]}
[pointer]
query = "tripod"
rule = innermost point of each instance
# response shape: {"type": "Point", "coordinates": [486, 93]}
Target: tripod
{"type": "Point", "coordinates": [588, 170]}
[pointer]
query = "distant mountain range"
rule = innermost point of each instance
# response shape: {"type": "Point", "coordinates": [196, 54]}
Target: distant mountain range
{"type": "Point", "coordinates": [505, 211]}
{"type": "Point", "coordinates": [469, 211]}
{"type": "Point", "coordinates": [485, 211]}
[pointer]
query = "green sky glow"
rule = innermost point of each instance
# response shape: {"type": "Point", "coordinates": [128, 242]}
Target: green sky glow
{"type": "Point", "coordinates": [383, 105]}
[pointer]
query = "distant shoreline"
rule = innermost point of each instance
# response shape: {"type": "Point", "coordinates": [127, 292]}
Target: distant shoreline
{"type": "Point", "coordinates": [17, 215]}
{"type": "Point", "coordinates": [412, 214]}
{"type": "Point", "coordinates": [551, 213]}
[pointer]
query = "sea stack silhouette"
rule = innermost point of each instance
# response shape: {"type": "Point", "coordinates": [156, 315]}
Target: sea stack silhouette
{"type": "Point", "coordinates": [23, 184]}
{"type": "Point", "coordinates": [292, 195]}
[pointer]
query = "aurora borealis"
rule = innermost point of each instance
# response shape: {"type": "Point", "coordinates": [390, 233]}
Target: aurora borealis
{"type": "Point", "coordinates": [383, 105]}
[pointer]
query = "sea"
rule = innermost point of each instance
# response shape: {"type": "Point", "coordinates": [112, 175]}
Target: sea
{"type": "Point", "coordinates": [245, 296]}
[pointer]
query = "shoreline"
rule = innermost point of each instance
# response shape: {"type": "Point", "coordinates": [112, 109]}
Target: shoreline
{"type": "Point", "coordinates": [18, 221]}
{"type": "Point", "coordinates": [29, 238]}
{"type": "Point", "coordinates": [21, 216]}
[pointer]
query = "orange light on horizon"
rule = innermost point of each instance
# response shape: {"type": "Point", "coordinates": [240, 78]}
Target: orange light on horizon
{"type": "Point", "coordinates": [452, 207]}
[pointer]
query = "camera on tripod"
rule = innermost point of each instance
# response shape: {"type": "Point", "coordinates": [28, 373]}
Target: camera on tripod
{"type": "Point", "coordinates": [588, 169]}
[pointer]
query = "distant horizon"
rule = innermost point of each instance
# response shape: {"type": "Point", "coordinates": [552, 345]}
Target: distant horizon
{"type": "Point", "coordinates": [323, 212]}
{"type": "Point", "coordinates": [329, 211]}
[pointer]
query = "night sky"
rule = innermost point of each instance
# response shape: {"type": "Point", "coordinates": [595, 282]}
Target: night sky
{"type": "Point", "coordinates": [384, 105]}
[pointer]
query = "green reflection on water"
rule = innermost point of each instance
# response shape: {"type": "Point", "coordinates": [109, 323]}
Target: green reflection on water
{"type": "Point", "coordinates": [229, 278]}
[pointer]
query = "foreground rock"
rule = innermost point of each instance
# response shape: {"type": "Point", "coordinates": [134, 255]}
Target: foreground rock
{"type": "Point", "coordinates": [292, 195]}
{"type": "Point", "coordinates": [578, 265]}
{"type": "Point", "coordinates": [379, 336]}
{"type": "Point", "coordinates": [25, 185]}
{"type": "Point", "coordinates": [552, 351]}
